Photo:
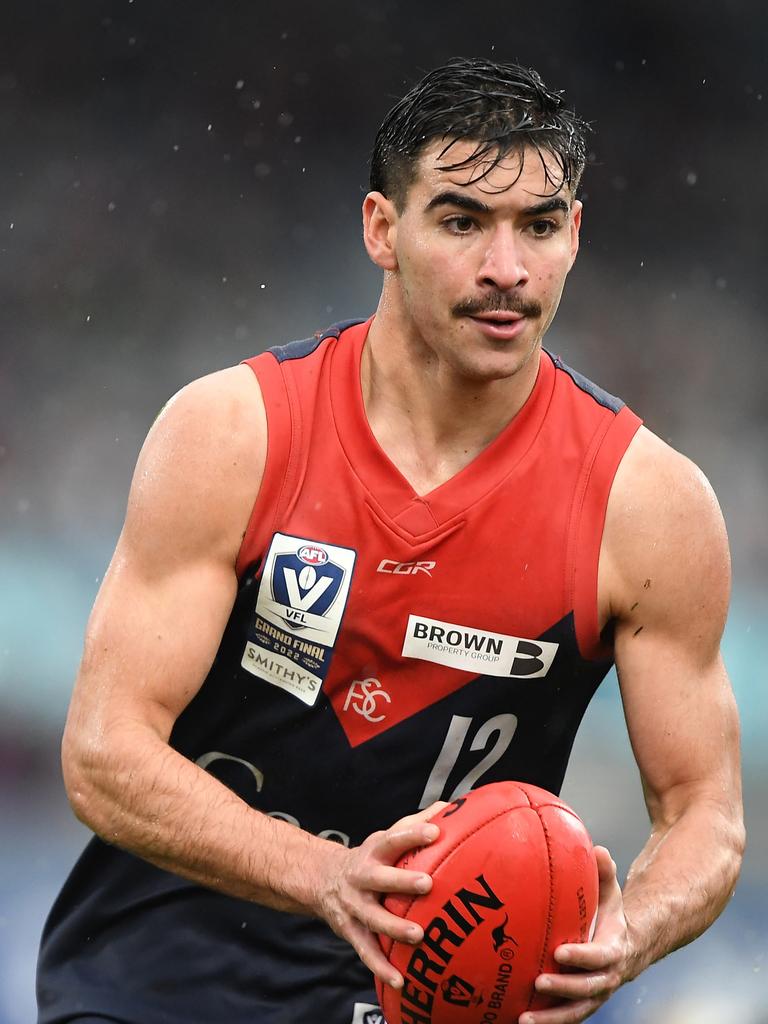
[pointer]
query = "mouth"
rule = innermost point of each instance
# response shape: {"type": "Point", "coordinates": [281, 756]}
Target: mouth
{"type": "Point", "coordinates": [500, 325]}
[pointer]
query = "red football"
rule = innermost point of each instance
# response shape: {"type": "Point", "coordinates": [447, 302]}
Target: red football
{"type": "Point", "coordinates": [513, 876]}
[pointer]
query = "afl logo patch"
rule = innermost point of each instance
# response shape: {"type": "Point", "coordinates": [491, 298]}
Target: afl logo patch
{"type": "Point", "coordinates": [313, 555]}
{"type": "Point", "coordinates": [302, 595]}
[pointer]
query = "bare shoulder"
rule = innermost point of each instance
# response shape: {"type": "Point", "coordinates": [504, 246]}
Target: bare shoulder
{"type": "Point", "coordinates": [665, 547]}
{"type": "Point", "coordinates": [201, 465]}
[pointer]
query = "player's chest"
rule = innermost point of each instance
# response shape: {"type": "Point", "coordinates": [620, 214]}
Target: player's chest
{"type": "Point", "coordinates": [384, 625]}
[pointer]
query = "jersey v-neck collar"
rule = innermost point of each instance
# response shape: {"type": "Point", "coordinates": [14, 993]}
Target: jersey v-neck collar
{"type": "Point", "coordinates": [389, 490]}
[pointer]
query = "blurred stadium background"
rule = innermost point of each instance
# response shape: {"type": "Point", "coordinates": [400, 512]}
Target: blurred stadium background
{"type": "Point", "coordinates": [180, 187]}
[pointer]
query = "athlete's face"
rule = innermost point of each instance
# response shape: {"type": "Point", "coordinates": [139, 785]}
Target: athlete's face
{"type": "Point", "coordinates": [478, 267]}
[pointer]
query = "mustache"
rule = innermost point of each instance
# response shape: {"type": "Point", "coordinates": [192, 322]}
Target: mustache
{"type": "Point", "coordinates": [498, 302]}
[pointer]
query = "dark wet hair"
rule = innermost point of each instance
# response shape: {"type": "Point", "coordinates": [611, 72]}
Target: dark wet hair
{"type": "Point", "coordinates": [500, 107]}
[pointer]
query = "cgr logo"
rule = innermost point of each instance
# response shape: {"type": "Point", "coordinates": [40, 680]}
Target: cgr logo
{"type": "Point", "coordinates": [405, 568]}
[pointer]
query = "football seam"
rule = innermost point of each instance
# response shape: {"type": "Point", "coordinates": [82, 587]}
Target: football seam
{"type": "Point", "coordinates": [550, 903]}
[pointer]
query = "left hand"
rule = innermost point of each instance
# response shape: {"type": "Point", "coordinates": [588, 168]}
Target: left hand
{"type": "Point", "coordinates": [601, 965]}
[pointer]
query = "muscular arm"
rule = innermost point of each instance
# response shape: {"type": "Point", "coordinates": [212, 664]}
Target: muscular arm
{"type": "Point", "coordinates": [664, 581]}
{"type": "Point", "coordinates": [151, 639]}
{"type": "Point", "coordinates": [668, 555]}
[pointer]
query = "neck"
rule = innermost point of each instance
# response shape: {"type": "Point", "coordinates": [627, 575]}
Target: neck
{"type": "Point", "coordinates": [429, 419]}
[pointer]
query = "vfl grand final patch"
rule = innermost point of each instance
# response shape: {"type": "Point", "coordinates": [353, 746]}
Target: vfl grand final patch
{"type": "Point", "coordinates": [302, 596]}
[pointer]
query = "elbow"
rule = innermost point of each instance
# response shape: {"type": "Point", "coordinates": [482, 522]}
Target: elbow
{"type": "Point", "coordinates": [81, 766]}
{"type": "Point", "coordinates": [738, 843]}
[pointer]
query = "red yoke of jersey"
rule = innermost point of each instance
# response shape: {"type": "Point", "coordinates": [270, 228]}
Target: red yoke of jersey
{"type": "Point", "coordinates": [509, 546]}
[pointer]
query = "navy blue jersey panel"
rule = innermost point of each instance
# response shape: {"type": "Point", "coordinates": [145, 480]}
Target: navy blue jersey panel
{"type": "Point", "coordinates": [601, 396]}
{"type": "Point", "coordinates": [305, 347]}
{"type": "Point", "coordinates": [156, 949]}
{"type": "Point", "coordinates": [191, 955]}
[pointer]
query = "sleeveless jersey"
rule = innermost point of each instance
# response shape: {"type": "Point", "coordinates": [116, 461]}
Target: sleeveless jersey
{"type": "Point", "coordinates": [385, 650]}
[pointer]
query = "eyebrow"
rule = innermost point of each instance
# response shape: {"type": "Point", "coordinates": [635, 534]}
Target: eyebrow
{"type": "Point", "coordinates": [548, 206]}
{"type": "Point", "coordinates": [465, 202]}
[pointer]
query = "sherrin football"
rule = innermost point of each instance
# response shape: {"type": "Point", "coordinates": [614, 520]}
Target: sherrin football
{"type": "Point", "coordinates": [513, 876]}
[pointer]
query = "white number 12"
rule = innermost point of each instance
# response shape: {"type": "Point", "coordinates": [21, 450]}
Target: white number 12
{"type": "Point", "coordinates": [503, 725]}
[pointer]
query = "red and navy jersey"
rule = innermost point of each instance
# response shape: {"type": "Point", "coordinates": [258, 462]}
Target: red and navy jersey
{"type": "Point", "coordinates": [386, 649]}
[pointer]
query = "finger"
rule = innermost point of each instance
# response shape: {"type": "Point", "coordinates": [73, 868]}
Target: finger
{"type": "Point", "coordinates": [435, 808]}
{"type": "Point", "coordinates": [576, 986]}
{"type": "Point", "coordinates": [606, 866]}
{"type": "Point", "coordinates": [379, 920]}
{"type": "Point", "coordinates": [587, 956]}
{"type": "Point", "coordinates": [572, 1013]}
{"type": "Point", "coordinates": [420, 816]}
{"type": "Point", "coordinates": [400, 838]}
{"type": "Point", "coordinates": [370, 952]}
{"type": "Point", "coordinates": [382, 878]}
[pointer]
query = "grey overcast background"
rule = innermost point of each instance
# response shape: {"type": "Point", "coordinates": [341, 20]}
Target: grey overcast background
{"type": "Point", "coordinates": [180, 187]}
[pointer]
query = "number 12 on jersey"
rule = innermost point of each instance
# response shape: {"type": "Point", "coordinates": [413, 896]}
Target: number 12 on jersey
{"type": "Point", "coordinates": [502, 726]}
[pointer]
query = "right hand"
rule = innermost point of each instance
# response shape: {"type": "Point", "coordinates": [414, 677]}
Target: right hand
{"type": "Point", "coordinates": [351, 894]}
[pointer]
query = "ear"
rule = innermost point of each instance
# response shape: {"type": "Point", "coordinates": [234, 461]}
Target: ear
{"type": "Point", "coordinates": [576, 209]}
{"type": "Point", "coordinates": [380, 230]}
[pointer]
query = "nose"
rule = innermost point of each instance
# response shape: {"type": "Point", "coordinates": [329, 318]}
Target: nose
{"type": "Point", "coordinates": [503, 264]}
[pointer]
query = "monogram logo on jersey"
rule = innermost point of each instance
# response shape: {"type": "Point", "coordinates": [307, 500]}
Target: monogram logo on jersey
{"type": "Point", "coordinates": [362, 697]}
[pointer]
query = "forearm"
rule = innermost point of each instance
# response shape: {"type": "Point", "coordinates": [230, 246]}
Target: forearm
{"type": "Point", "coordinates": [681, 881]}
{"type": "Point", "coordinates": [142, 795]}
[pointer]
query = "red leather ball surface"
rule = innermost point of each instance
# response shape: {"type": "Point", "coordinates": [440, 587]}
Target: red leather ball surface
{"type": "Point", "coordinates": [513, 876]}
